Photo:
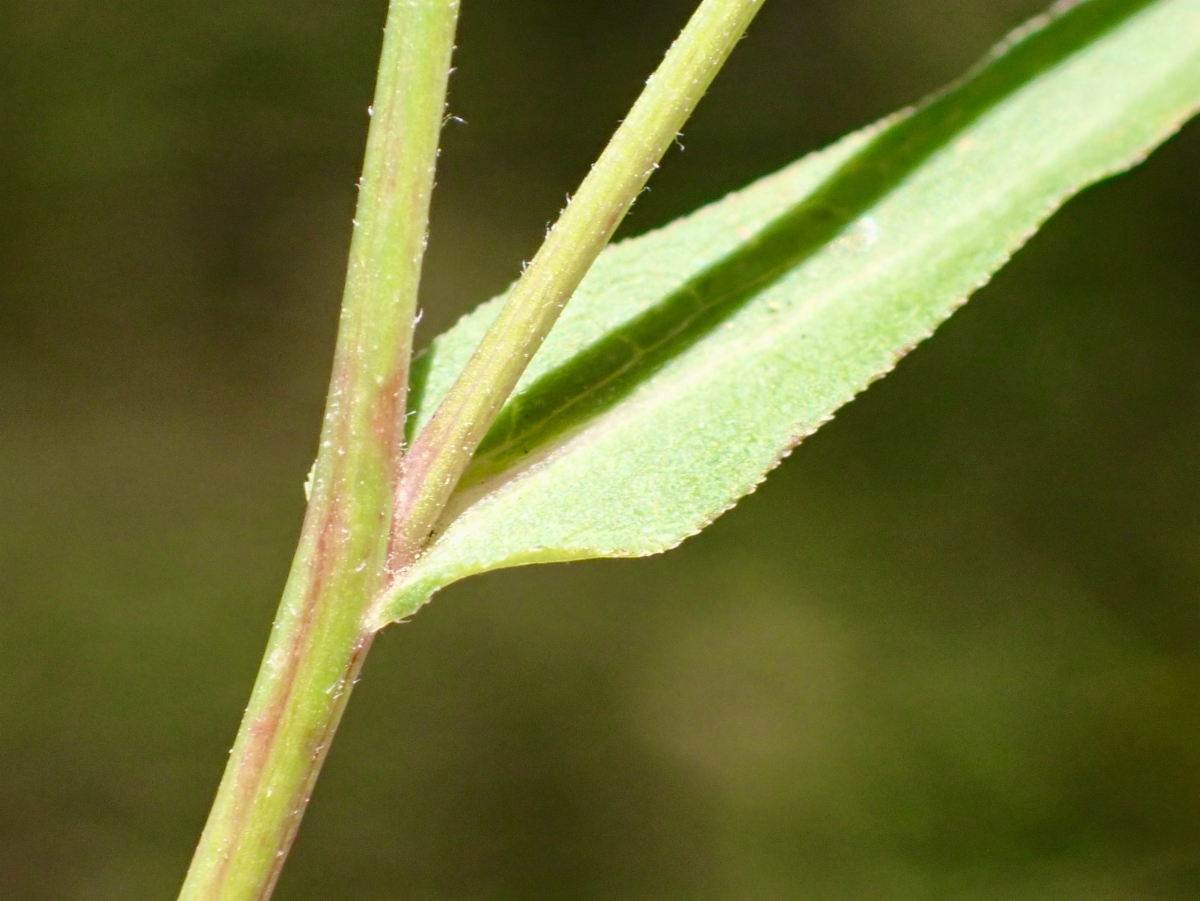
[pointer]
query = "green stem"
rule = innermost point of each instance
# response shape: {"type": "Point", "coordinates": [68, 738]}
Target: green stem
{"type": "Point", "coordinates": [442, 450]}
{"type": "Point", "coordinates": [319, 640]}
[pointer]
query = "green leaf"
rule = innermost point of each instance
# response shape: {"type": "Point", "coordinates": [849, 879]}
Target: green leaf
{"type": "Point", "coordinates": [694, 358]}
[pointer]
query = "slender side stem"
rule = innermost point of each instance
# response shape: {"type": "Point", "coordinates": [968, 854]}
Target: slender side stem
{"type": "Point", "coordinates": [441, 452]}
{"type": "Point", "coordinates": [319, 641]}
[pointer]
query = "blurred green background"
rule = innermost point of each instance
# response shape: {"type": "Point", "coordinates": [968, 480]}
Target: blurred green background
{"type": "Point", "coordinates": [948, 651]}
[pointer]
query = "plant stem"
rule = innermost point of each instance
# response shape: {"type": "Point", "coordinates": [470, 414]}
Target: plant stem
{"type": "Point", "coordinates": [442, 450]}
{"type": "Point", "coordinates": [366, 517]}
{"type": "Point", "coordinates": [318, 642]}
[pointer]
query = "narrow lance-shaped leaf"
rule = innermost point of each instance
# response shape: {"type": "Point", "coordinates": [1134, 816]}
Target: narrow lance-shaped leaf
{"type": "Point", "coordinates": [692, 359]}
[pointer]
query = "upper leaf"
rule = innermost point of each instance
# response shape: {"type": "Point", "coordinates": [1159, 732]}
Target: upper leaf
{"type": "Point", "coordinates": [692, 359]}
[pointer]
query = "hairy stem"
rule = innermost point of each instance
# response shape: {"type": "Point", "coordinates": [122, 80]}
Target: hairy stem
{"type": "Point", "coordinates": [372, 508]}
{"type": "Point", "coordinates": [318, 642]}
{"type": "Point", "coordinates": [441, 452]}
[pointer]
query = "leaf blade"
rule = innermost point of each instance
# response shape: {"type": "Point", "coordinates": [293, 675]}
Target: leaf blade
{"type": "Point", "coordinates": [694, 358]}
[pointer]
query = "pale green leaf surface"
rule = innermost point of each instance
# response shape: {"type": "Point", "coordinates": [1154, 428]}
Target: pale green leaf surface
{"type": "Point", "coordinates": [692, 359]}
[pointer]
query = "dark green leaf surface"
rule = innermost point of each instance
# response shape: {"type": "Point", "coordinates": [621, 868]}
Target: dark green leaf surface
{"type": "Point", "coordinates": [694, 358]}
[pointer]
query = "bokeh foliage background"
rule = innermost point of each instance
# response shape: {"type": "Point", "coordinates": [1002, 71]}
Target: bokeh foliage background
{"type": "Point", "coordinates": [949, 649]}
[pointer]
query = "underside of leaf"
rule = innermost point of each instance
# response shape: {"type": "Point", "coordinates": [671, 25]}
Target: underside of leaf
{"type": "Point", "coordinates": [694, 358]}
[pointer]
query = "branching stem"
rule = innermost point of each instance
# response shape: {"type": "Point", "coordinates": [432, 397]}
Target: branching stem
{"type": "Point", "coordinates": [372, 508]}
{"type": "Point", "coordinates": [443, 449]}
